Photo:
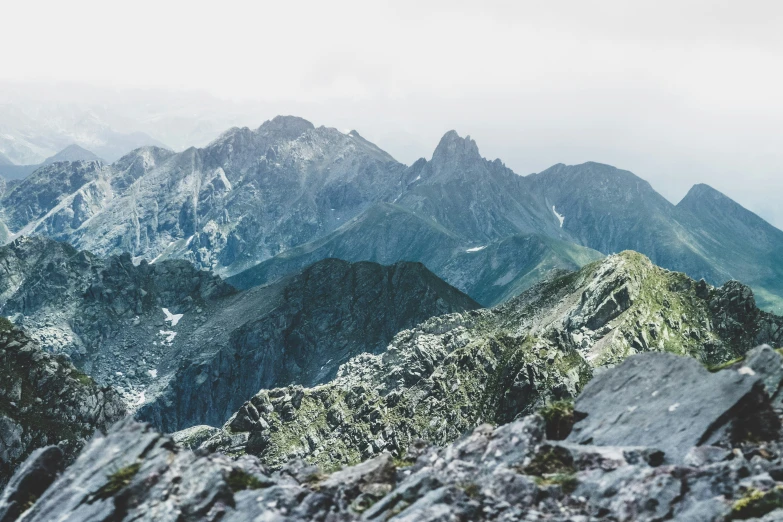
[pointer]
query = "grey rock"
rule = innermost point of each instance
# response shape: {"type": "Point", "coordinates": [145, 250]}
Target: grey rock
{"type": "Point", "coordinates": [30, 481]}
{"type": "Point", "coordinates": [54, 403]}
{"type": "Point", "coordinates": [673, 404]}
{"type": "Point", "coordinates": [507, 473]}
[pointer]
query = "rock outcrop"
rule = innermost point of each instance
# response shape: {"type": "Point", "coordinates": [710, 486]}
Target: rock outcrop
{"type": "Point", "coordinates": [45, 400]}
{"type": "Point", "coordinates": [674, 404]}
{"type": "Point", "coordinates": [454, 372]}
{"type": "Point", "coordinates": [512, 472]}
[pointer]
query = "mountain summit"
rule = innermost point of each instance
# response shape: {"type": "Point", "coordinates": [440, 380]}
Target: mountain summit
{"type": "Point", "coordinates": [454, 151]}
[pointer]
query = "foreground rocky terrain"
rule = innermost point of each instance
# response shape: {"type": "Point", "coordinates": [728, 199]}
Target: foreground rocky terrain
{"type": "Point", "coordinates": [187, 348]}
{"type": "Point", "coordinates": [45, 400]}
{"type": "Point", "coordinates": [455, 372]}
{"type": "Point", "coordinates": [622, 461]}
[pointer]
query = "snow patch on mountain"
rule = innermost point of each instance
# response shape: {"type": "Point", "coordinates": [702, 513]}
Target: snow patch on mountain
{"type": "Point", "coordinates": [559, 216]}
{"type": "Point", "coordinates": [172, 319]}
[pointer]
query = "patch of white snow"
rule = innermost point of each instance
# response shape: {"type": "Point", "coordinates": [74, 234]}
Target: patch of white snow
{"type": "Point", "coordinates": [153, 373]}
{"type": "Point", "coordinates": [559, 216]}
{"type": "Point", "coordinates": [476, 249]}
{"type": "Point", "coordinates": [169, 337]}
{"type": "Point", "coordinates": [172, 319]}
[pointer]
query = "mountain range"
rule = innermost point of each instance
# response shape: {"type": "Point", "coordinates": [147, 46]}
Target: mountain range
{"type": "Point", "coordinates": [275, 199]}
{"type": "Point", "coordinates": [340, 336]}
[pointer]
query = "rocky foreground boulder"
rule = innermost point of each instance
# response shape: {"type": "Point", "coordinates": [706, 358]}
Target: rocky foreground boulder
{"type": "Point", "coordinates": [45, 400]}
{"type": "Point", "coordinates": [512, 472]}
{"type": "Point", "coordinates": [663, 401]}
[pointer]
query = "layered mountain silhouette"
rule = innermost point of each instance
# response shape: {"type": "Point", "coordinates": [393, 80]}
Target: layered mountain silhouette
{"type": "Point", "coordinates": [72, 152]}
{"type": "Point", "coordinates": [287, 194]}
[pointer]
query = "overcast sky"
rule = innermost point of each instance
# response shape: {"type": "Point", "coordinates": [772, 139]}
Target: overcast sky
{"type": "Point", "coordinates": [678, 92]}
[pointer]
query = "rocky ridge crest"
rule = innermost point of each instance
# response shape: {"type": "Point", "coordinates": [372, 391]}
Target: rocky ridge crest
{"type": "Point", "coordinates": [454, 372]}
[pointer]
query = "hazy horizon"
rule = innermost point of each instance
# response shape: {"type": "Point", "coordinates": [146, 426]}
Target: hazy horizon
{"type": "Point", "coordinates": [678, 93]}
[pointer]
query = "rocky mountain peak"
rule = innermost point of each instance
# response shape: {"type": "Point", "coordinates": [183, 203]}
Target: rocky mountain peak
{"type": "Point", "coordinates": [285, 127]}
{"type": "Point", "coordinates": [702, 194]}
{"type": "Point", "coordinates": [455, 149]}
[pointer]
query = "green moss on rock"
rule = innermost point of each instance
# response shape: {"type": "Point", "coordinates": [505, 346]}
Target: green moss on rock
{"type": "Point", "coordinates": [118, 480]}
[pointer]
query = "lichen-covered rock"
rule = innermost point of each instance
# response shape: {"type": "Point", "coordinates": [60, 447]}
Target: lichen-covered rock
{"type": "Point", "coordinates": [454, 372]}
{"type": "Point", "coordinates": [45, 400]}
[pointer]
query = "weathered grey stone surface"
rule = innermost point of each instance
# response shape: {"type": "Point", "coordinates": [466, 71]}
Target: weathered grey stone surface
{"type": "Point", "coordinates": [508, 473]}
{"type": "Point", "coordinates": [664, 401]}
{"type": "Point", "coordinates": [30, 481]}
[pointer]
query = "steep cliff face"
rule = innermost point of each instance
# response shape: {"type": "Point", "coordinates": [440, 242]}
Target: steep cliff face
{"type": "Point", "coordinates": [454, 372]}
{"type": "Point", "coordinates": [34, 198]}
{"type": "Point", "coordinates": [299, 330]}
{"type": "Point", "coordinates": [45, 400]}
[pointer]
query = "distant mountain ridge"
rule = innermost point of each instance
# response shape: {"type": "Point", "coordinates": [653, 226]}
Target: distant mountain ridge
{"type": "Point", "coordinates": [72, 152]}
{"type": "Point", "coordinates": [29, 135]}
{"type": "Point", "coordinates": [287, 194]}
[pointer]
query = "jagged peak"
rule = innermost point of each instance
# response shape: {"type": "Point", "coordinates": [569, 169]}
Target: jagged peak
{"type": "Point", "coordinates": [452, 146]}
{"type": "Point", "coordinates": [147, 151]}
